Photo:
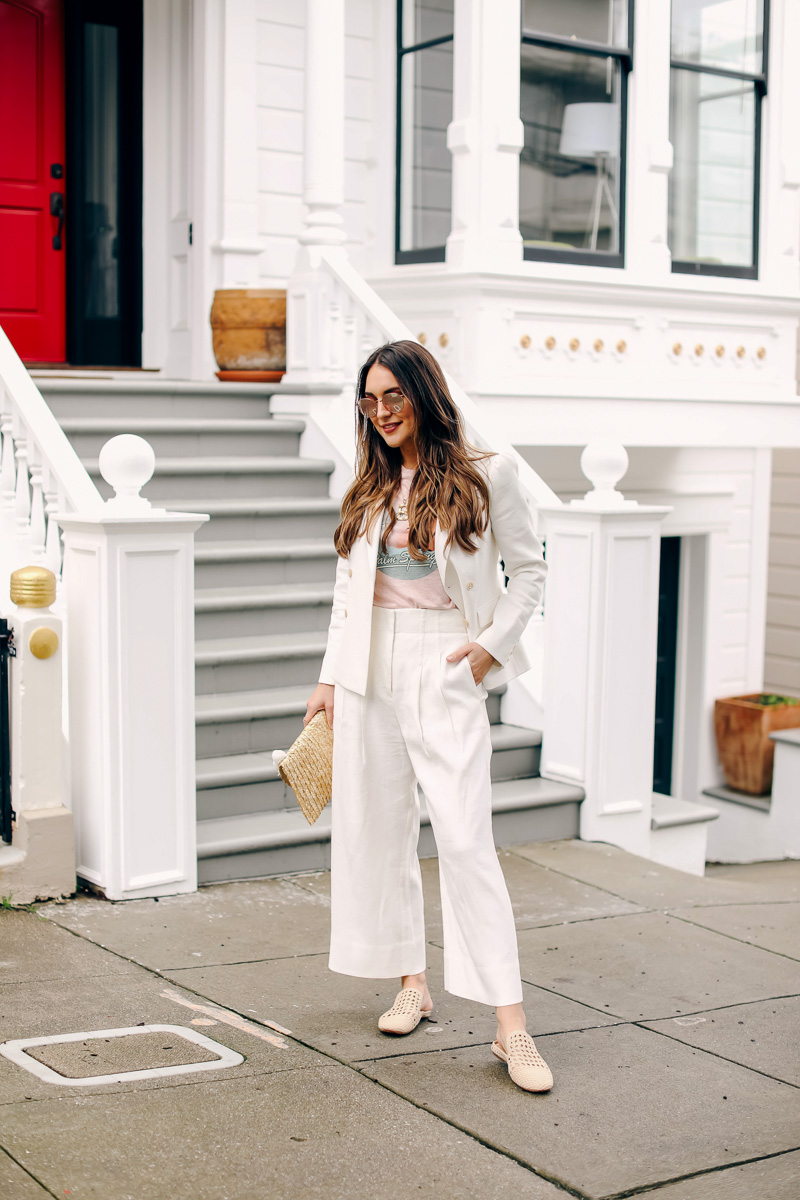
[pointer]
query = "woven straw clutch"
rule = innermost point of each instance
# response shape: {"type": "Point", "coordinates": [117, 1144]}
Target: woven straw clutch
{"type": "Point", "coordinates": [308, 764]}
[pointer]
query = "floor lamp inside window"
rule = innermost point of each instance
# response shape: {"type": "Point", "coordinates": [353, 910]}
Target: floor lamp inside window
{"type": "Point", "coordinates": [592, 131]}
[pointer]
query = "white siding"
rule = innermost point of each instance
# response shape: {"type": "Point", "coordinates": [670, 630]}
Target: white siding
{"type": "Point", "coordinates": [280, 127]}
{"type": "Point", "coordinates": [701, 470]}
{"type": "Point", "coordinates": [782, 659]}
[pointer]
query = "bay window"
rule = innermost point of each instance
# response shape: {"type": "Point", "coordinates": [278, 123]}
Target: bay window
{"type": "Point", "coordinates": [575, 60]}
{"type": "Point", "coordinates": [424, 111]}
{"type": "Point", "coordinates": [718, 81]}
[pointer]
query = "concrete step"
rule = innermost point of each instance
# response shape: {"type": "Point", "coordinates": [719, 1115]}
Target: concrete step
{"type": "Point", "coordinates": [263, 720]}
{"type": "Point", "coordinates": [266, 609]}
{"type": "Point", "coordinates": [281, 519]}
{"type": "Point", "coordinates": [243, 564]}
{"type": "Point", "coordinates": [239, 664]}
{"type": "Point", "coordinates": [274, 843]}
{"type": "Point", "coordinates": [237, 784]}
{"type": "Point", "coordinates": [231, 478]}
{"type": "Point", "coordinates": [190, 437]}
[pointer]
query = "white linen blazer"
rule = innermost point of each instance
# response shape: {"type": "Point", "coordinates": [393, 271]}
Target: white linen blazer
{"type": "Point", "coordinates": [492, 617]}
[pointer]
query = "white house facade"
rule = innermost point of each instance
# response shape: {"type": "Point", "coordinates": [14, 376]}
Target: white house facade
{"type": "Point", "coordinates": [589, 210]}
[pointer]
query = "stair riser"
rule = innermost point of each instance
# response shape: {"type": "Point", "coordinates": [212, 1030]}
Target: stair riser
{"type": "Point", "coordinates": [252, 572]}
{"type": "Point", "coordinates": [510, 829]}
{"type": "Point", "coordinates": [266, 527]}
{"type": "Point", "coordinates": [249, 676]}
{"type": "Point", "coordinates": [246, 622]}
{"type": "Point", "coordinates": [240, 737]}
{"type": "Point", "coordinates": [268, 733]}
{"type": "Point", "coordinates": [271, 795]}
{"type": "Point", "coordinates": [204, 445]}
{"type": "Point", "coordinates": [154, 404]}
{"type": "Point", "coordinates": [282, 860]}
{"type": "Point", "coordinates": [239, 799]}
{"type": "Point", "coordinates": [197, 489]}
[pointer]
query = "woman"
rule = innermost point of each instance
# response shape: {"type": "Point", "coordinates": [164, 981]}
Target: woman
{"type": "Point", "coordinates": [419, 623]}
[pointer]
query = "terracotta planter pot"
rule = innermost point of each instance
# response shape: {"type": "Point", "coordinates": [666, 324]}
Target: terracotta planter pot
{"type": "Point", "coordinates": [248, 328]}
{"type": "Point", "coordinates": [742, 727]}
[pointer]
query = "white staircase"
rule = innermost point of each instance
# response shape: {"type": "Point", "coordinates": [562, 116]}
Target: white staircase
{"type": "Point", "coordinates": [264, 571]}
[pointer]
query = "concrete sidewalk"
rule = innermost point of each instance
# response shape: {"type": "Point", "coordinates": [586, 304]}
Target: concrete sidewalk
{"type": "Point", "coordinates": [667, 1006]}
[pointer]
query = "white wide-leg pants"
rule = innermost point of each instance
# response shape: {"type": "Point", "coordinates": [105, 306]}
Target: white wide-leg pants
{"type": "Point", "coordinates": [423, 720]}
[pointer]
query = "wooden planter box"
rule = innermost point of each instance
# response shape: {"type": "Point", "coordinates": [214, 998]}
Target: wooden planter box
{"type": "Point", "coordinates": [742, 727]}
{"type": "Point", "coordinates": [248, 327]}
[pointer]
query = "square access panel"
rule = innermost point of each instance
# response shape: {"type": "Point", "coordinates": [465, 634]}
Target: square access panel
{"type": "Point", "coordinates": [17, 1052]}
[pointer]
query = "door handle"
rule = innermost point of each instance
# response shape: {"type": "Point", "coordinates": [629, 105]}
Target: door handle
{"type": "Point", "coordinates": [57, 210]}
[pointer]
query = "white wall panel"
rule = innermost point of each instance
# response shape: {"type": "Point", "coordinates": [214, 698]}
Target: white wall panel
{"type": "Point", "coordinates": [782, 650]}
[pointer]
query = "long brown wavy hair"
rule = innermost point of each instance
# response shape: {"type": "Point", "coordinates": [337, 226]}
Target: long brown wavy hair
{"type": "Point", "coordinates": [447, 484]}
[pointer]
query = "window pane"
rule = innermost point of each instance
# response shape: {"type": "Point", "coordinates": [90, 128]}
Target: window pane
{"type": "Point", "coordinates": [569, 166]}
{"type": "Point", "coordinates": [603, 21]}
{"type": "Point", "coordinates": [426, 109]}
{"type": "Point", "coordinates": [101, 199]}
{"type": "Point", "coordinates": [712, 129]}
{"type": "Point", "coordinates": [719, 33]}
{"type": "Point", "coordinates": [424, 20]}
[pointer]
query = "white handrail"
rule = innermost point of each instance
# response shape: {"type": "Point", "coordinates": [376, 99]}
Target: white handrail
{"type": "Point", "coordinates": [391, 328]}
{"type": "Point", "coordinates": [40, 472]}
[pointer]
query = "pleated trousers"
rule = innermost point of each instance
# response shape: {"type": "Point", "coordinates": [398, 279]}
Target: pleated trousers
{"type": "Point", "coordinates": [422, 723]}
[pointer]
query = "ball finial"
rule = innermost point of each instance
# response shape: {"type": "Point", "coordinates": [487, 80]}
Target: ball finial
{"type": "Point", "coordinates": [127, 462]}
{"type": "Point", "coordinates": [604, 462]}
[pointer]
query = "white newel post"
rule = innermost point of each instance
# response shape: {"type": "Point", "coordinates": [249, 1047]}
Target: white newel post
{"type": "Point", "coordinates": [601, 612]}
{"type": "Point", "coordinates": [129, 588]}
{"type": "Point", "coordinates": [485, 136]}
{"type": "Point", "coordinates": [40, 863]}
{"type": "Point", "coordinates": [308, 354]}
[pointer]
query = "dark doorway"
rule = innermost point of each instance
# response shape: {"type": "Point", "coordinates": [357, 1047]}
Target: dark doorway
{"type": "Point", "coordinates": [104, 156]}
{"type": "Point", "coordinates": [666, 664]}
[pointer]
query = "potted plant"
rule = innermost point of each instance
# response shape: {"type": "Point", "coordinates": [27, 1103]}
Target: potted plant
{"type": "Point", "coordinates": [248, 327]}
{"type": "Point", "coordinates": [742, 725]}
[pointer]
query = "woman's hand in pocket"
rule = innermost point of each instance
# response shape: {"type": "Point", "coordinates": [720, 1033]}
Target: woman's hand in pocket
{"type": "Point", "coordinates": [479, 659]}
{"type": "Point", "coordinates": [321, 697]}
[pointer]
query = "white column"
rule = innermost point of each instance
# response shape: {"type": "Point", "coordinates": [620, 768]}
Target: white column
{"type": "Point", "coordinates": [601, 612]}
{"type": "Point", "coordinates": [485, 136]}
{"type": "Point", "coordinates": [129, 589]}
{"type": "Point", "coordinates": [323, 143]}
{"type": "Point", "coordinates": [234, 23]}
{"type": "Point", "coordinates": [649, 158]}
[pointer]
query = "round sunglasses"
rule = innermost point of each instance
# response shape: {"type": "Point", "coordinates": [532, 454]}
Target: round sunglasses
{"type": "Point", "coordinates": [369, 407]}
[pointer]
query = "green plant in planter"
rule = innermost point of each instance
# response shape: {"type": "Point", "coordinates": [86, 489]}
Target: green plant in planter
{"type": "Point", "coordinates": [768, 701]}
{"type": "Point", "coordinates": [743, 726]}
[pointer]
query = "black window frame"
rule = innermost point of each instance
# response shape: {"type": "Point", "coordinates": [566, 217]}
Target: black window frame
{"type": "Point", "coordinates": [759, 80]}
{"type": "Point", "coordinates": [429, 254]}
{"type": "Point", "coordinates": [624, 56]}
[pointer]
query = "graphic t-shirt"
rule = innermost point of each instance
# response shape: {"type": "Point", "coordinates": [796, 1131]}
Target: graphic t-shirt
{"type": "Point", "coordinates": [400, 580]}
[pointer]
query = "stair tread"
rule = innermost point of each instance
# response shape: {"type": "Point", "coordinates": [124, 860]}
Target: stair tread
{"type": "Point", "coordinates": [256, 505]}
{"type": "Point", "coordinates": [174, 387]}
{"type": "Point", "coordinates": [234, 551]}
{"type": "Point", "coordinates": [670, 811]}
{"type": "Point", "coordinates": [262, 595]}
{"type": "Point", "coordinates": [185, 425]}
{"type": "Point", "coordinates": [259, 646]}
{"type": "Point", "coordinates": [257, 766]}
{"type": "Point", "coordinates": [233, 464]}
{"type": "Point", "coordinates": [253, 831]}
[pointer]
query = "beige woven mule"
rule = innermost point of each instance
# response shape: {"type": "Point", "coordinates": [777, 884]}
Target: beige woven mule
{"type": "Point", "coordinates": [526, 1066]}
{"type": "Point", "coordinates": [405, 1014]}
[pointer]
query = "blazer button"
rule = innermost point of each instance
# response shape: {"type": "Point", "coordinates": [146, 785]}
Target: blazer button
{"type": "Point", "coordinates": [470, 584]}
{"type": "Point", "coordinates": [350, 571]}
{"type": "Point", "coordinates": [345, 612]}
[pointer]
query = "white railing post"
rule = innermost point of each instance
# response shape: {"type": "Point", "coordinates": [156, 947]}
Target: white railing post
{"type": "Point", "coordinates": [601, 616]}
{"type": "Point", "coordinates": [129, 594]}
{"type": "Point", "coordinates": [40, 863]}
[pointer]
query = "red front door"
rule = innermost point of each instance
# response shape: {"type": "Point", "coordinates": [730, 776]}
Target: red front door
{"type": "Point", "coordinates": [32, 237]}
